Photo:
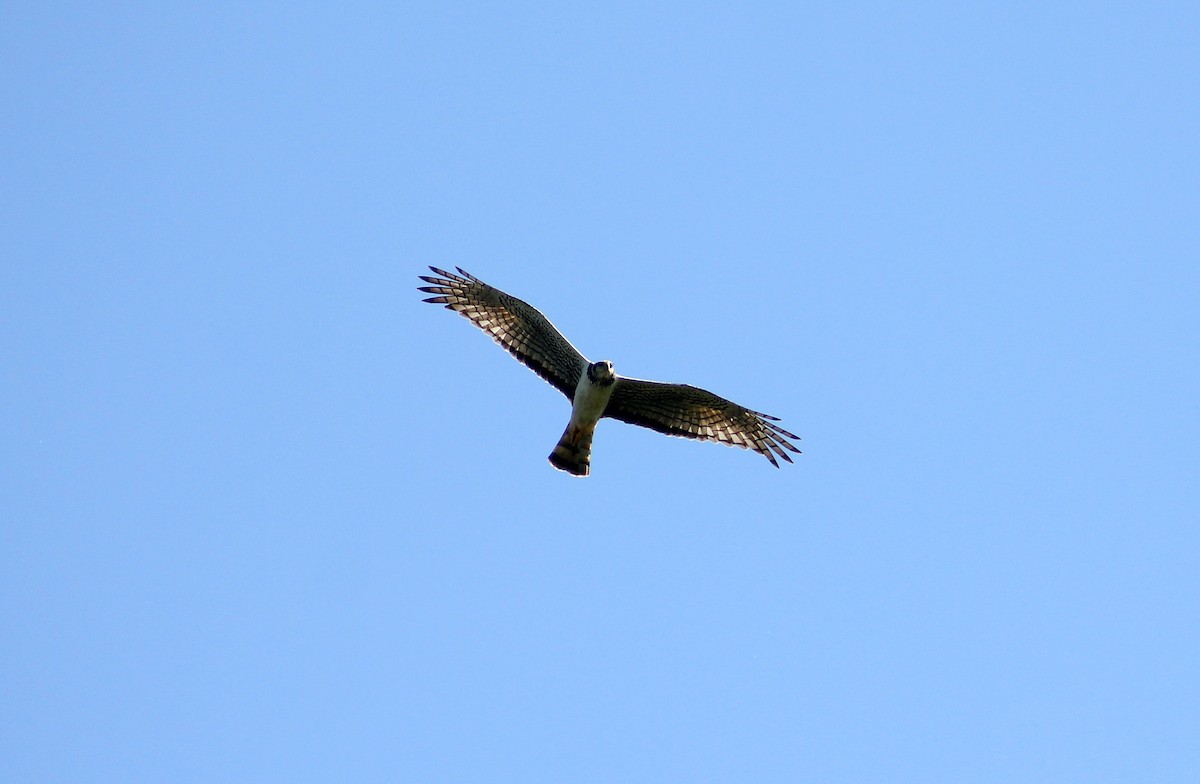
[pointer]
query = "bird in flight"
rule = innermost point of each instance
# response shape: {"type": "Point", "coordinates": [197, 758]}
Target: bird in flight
{"type": "Point", "coordinates": [594, 390]}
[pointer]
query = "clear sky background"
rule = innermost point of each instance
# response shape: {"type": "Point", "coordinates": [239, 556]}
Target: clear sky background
{"type": "Point", "coordinates": [268, 517]}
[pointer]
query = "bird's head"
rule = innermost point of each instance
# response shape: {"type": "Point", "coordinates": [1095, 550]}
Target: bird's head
{"type": "Point", "coordinates": [601, 372]}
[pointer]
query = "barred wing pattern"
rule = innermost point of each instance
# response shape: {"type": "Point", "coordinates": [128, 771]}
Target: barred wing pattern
{"type": "Point", "coordinates": [514, 324]}
{"type": "Point", "coordinates": [690, 412]}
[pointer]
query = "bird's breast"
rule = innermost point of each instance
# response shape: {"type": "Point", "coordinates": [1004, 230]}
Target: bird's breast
{"type": "Point", "coordinates": [590, 401]}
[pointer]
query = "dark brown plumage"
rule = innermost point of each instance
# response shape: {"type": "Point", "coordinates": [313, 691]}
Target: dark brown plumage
{"type": "Point", "coordinates": [673, 409]}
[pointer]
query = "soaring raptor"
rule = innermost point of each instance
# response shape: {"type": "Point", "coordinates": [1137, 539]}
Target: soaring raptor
{"type": "Point", "coordinates": [594, 390]}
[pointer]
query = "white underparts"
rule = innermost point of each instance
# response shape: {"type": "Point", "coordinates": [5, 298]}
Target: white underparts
{"type": "Point", "coordinates": [590, 402]}
{"type": "Point", "coordinates": [573, 453]}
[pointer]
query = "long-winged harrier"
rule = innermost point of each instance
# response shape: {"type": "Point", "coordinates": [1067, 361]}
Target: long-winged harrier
{"type": "Point", "coordinates": [593, 388]}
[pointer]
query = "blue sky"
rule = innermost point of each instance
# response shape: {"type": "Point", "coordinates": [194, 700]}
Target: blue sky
{"type": "Point", "coordinates": [268, 517]}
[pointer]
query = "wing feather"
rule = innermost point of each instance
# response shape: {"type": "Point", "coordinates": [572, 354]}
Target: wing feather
{"type": "Point", "coordinates": [691, 412]}
{"type": "Point", "coordinates": [516, 325]}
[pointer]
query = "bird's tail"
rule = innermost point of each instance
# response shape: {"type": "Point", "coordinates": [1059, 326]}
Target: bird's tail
{"type": "Point", "coordinates": [574, 451]}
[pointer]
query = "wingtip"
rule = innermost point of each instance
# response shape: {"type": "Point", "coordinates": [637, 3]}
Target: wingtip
{"type": "Point", "coordinates": [462, 277]}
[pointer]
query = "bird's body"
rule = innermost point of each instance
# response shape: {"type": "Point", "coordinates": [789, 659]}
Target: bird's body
{"type": "Point", "coordinates": [573, 453]}
{"type": "Point", "coordinates": [594, 389]}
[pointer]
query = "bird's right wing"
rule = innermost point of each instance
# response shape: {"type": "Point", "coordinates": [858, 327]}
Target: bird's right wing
{"type": "Point", "coordinates": [691, 412]}
{"type": "Point", "coordinates": [516, 325]}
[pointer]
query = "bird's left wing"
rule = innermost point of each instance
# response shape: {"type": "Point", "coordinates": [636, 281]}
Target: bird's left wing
{"type": "Point", "coordinates": [514, 324]}
{"type": "Point", "coordinates": [690, 412]}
